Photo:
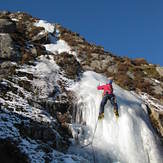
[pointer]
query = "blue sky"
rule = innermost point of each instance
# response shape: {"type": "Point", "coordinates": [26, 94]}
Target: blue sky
{"type": "Point", "coordinates": [132, 28]}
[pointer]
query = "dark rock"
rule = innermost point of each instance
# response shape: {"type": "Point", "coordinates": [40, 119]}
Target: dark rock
{"type": "Point", "coordinates": [26, 84]}
{"type": "Point", "coordinates": [8, 64]}
{"type": "Point", "coordinates": [45, 134]}
{"type": "Point", "coordinates": [157, 120]}
{"type": "Point", "coordinates": [7, 26]}
{"type": "Point", "coordinates": [24, 74]}
{"type": "Point", "coordinates": [37, 131]}
{"type": "Point", "coordinates": [7, 68]}
{"type": "Point", "coordinates": [3, 88]}
{"type": "Point", "coordinates": [64, 60]}
{"type": "Point", "coordinates": [41, 38]}
{"type": "Point", "coordinates": [10, 153]}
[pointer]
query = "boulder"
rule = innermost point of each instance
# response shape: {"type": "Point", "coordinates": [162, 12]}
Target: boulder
{"type": "Point", "coordinates": [7, 51]}
{"type": "Point", "coordinates": [41, 38]}
{"type": "Point", "coordinates": [7, 26]}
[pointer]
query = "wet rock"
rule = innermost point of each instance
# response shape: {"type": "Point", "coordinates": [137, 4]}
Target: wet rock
{"type": "Point", "coordinates": [7, 26]}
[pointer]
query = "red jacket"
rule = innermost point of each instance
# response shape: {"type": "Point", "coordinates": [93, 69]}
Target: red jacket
{"type": "Point", "coordinates": [107, 88]}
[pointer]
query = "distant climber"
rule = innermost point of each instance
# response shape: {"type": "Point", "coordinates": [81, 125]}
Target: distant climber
{"type": "Point", "coordinates": [108, 95]}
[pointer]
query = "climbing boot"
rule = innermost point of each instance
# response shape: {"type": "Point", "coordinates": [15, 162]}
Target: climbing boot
{"type": "Point", "coordinates": [101, 116]}
{"type": "Point", "coordinates": [116, 113]}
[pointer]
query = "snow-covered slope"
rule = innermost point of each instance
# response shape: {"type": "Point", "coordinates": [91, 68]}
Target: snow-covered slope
{"type": "Point", "coordinates": [130, 139]}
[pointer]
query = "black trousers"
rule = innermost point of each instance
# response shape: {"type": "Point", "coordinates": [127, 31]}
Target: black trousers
{"type": "Point", "coordinates": [112, 99]}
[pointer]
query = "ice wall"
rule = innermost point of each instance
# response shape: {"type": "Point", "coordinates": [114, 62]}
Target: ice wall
{"type": "Point", "coordinates": [130, 139]}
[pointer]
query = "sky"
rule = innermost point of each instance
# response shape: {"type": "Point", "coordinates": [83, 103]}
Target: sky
{"type": "Point", "coordinates": [132, 28]}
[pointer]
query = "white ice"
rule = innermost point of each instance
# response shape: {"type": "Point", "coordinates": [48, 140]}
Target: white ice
{"type": "Point", "coordinates": [130, 139]}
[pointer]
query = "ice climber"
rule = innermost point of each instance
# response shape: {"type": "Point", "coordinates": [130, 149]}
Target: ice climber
{"type": "Point", "coordinates": [107, 95]}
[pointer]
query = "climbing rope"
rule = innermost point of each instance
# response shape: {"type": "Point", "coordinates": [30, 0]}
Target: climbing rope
{"type": "Point", "coordinates": [93, 153]}
{"type": "Point", "coordinates": [92, 136]}
{"type": "Point", "coordinates": [91, 143]}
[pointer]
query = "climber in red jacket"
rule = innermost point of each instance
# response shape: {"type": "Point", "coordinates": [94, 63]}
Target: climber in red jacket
{"type": "Point", "coordinates": [107, 95]}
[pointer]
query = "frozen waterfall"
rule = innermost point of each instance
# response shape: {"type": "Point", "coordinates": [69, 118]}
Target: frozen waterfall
{"type": "Point", "coordinates": [130, 139]}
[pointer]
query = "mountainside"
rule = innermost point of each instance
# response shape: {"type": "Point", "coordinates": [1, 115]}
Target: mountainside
{"type": "Point", "coordinates": [49, 101]}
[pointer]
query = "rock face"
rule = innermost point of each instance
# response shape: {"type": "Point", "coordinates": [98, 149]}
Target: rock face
{"type": "Point", "coordinates": [7, 26]}
{"type": "Point", "coordinates": [64, 60]}
{"type": "Point", "coordinates": [157, 121]}
{"type": "Point", "coordinates": [7, 51]}
{"type": "Point", "coordinates": [39, 118]}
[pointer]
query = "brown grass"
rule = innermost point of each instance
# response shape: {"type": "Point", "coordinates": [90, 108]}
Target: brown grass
{"type": "Point", "coordinates": [139, 61]}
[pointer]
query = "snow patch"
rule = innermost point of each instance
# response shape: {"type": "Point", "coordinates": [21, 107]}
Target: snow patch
{"type": "Point", "coordinates": [47, 26]}
{"type": "Point", "coordinates": [59, 47]}
{"type": "Point", "coordinates": [151, 101]}
{"type": "Point", "coordinates": [14, 19]}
